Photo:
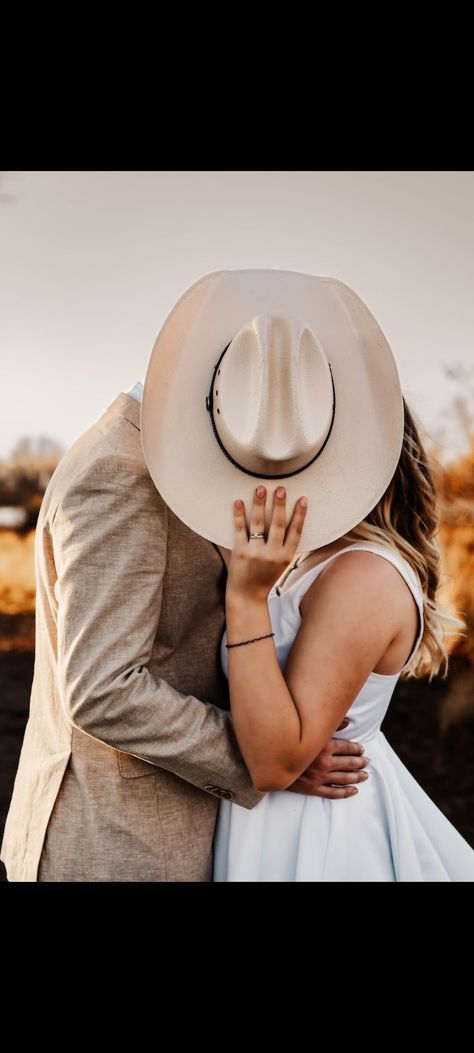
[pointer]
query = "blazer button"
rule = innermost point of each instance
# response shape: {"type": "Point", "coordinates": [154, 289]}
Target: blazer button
{"type": "Point", "coordinates": [227, 795]}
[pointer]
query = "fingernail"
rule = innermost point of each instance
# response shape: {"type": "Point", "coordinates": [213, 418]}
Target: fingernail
{"type": "Point", "coordinates": [353, 791]}
{"type": "Point", "coordinates": [260, 491]}
{"type": "Point", "coordinates": [304, 502]}
{"type": "Point", "coordinates": [364, 775]}
{"type": "Point", "coordinates": [237, 505]}
{"type": "Point", "coordinates": [281, 491]}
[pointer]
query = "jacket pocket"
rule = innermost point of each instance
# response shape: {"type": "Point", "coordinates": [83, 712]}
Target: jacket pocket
{"type": "Point", "coordinates": [134, 767]}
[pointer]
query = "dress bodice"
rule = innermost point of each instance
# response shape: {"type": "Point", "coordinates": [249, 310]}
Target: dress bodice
{"type": "Point", "coordinates": [370, 706]}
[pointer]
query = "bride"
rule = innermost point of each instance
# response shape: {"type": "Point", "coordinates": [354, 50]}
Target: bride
{"type": "Point", "coordinates": [280, 399]}
{"type": "Point", "coordinates": [330, 640]}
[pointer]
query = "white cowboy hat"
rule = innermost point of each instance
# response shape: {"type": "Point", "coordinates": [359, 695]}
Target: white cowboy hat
{"type": "Point", "coordinates": [265, 376]}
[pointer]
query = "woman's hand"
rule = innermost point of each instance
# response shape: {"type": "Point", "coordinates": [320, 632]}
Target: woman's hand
{"type": "Point", "coordinates": [256, 564]}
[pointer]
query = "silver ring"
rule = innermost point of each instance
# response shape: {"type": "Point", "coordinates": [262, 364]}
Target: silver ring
{"type": "Point", "coordinates": [256, 537]}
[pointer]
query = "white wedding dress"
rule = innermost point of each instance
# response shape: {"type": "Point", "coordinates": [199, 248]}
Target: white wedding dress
{"type": "Point", "coordinates": [389, 831]}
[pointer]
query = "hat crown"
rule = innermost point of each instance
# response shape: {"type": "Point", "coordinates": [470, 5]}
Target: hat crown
{"type": "Point", "coordinates": [273, 398]}
{"type": "Point", "coordinates": [320, 333]}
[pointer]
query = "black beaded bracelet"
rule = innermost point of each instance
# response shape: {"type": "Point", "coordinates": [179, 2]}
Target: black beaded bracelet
{"type": "Point", "coordinates": [242, 642]}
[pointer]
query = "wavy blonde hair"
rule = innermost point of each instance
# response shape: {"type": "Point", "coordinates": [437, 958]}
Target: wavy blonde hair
{"type": "Point", "coordinates": [406, 518]}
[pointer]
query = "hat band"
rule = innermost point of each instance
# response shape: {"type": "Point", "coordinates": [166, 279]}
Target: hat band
{"type": "Point", "coordinates": [263, 475]}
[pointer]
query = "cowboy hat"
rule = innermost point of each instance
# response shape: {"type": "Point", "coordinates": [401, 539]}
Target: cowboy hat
{"type": "Point", "coordinates": [267, 376]}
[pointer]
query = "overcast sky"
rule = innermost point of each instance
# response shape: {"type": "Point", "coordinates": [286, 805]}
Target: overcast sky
{"type": "Point", "coordinates": [92, 262]}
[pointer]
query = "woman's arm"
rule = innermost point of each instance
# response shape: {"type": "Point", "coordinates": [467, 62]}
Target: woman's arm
{"type": "Point", "coordinates": [283, 722]}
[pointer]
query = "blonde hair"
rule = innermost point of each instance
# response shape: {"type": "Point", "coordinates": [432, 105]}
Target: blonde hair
{"type": "Point", "coordinates": [406, 518]}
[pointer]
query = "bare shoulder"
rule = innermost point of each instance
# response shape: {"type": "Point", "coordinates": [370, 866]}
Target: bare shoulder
{"type": "Point", "coordinates": [359, 604]}
{"type": "Point", "coordinates": [366, 580]}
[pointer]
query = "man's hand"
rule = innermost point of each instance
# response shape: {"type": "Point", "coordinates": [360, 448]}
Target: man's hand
{"type": "Point", "coordinates": [333, 773]}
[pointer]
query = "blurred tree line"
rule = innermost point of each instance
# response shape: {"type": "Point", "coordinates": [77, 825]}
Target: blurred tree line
{"type": "Point", "coordinates": [25, 474]}
{"type": "Point", "coordinates": [454, 480]}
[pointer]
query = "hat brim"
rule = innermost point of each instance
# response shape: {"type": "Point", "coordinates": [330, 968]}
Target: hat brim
{"type": "Point", "coordinates": [191, 472]}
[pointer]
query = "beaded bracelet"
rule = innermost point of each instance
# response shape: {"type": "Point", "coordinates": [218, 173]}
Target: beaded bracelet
{"type": "Point", "coordinates": [242, 642]}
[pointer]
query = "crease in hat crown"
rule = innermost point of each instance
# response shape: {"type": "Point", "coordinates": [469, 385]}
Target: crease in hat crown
{"type": "Point", "coordinates": [273, 396]}
{"type": "Point", "coordinates": [197, 476]}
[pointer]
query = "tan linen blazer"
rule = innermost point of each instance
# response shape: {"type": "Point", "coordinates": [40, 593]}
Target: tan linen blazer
{"type": "Point", "coordinates": [126, 752]}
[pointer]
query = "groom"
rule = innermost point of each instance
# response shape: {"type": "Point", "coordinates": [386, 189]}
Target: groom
{"type": "Point", "coordinates": [129, 746]}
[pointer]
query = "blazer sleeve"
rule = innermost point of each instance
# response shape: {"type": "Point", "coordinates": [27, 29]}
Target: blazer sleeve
{"type": "Point", "coordinates": [109, 540]}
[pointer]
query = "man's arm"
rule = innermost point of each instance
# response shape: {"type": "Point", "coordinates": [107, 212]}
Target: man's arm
{"type": "Point", "coordinates": [109, 539]}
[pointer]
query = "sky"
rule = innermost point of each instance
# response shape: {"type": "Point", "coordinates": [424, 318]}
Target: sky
{"type": "Point", "coordinates": [91, 263]}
